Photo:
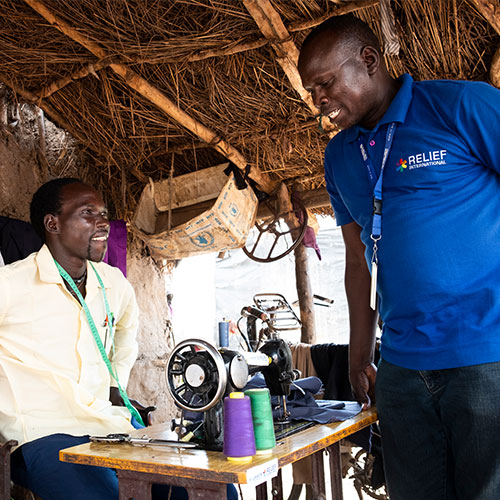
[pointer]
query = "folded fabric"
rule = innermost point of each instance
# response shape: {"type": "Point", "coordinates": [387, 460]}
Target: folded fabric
{"type": "Point", "coordinates": [303, 406]}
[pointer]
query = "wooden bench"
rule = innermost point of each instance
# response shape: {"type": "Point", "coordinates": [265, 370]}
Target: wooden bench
{"type": "Point", "coordinates": [7, 489]}
{"type": "Point", "coordinates": [5, 449]}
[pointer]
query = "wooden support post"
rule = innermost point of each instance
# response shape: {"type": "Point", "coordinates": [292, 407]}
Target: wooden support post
{"type": "Point", "coordinates": [306, 302]}
{"type": "Point", "coordinates": [304, 292]}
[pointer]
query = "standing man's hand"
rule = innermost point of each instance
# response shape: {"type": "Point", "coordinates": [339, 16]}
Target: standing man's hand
{"type": "Point", "coordinates": [363, 384]}
{"type": "Point", "coordinates": [362, 319]}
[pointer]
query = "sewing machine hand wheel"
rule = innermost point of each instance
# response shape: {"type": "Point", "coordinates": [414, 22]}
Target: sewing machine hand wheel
{"type": "Point", "coordinates": [278, 234]}
{"type": "Point", "coordinates": [196, 375]}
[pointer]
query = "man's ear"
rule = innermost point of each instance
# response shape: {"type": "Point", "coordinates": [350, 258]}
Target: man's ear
{"type": "Point", "coordinates": [51, 224]}
{"type": "Point", "coordinates": [371, 58]}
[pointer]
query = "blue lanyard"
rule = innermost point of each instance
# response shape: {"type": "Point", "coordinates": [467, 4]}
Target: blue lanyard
{"type": "Point", "coordinates": [377, 182]}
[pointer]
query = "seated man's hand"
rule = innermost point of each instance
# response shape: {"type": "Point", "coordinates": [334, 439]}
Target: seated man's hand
{"type": "Point", "coordinates": [115, 397]}
{"type": "Point", "coordinates": [144, 411]}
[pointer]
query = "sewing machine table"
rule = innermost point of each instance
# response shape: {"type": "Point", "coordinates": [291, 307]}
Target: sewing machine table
{"type": "Point", "coordinates": [204, 473]}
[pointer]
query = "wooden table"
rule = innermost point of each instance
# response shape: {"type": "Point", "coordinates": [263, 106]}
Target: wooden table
{"type": "Point", "coordinates": [204, 473]}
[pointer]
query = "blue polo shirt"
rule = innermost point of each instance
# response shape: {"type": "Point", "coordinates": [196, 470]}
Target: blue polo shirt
{"type": "Point", "coordinates": [439, 256]}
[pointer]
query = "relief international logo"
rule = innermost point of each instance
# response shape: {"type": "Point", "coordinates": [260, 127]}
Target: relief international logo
{"type": "Point", "coordinates": [428, 159]}
{"type": "Point", "coordinates": [401, 165]}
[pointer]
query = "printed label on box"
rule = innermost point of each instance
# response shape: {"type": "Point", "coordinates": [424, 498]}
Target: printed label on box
{"type": "Point", "coordinates": [262, 472]}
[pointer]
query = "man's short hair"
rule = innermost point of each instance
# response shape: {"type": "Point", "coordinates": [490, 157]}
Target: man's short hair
{"type": "Point", "coordinates": [348, 28]}
{"type": "Point", "coordinates": [47, 200]}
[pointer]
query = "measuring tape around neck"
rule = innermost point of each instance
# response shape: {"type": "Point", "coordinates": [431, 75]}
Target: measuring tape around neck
{"type": "Point", "coordinates": [95, 333]}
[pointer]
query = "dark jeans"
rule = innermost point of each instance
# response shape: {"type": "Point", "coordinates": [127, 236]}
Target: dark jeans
{"type": "Point", "coordinates": [440, 432]}
{"type": "Point", "coordinates": [36, 466]}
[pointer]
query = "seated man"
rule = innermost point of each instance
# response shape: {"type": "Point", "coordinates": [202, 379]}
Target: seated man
{"type": "Point", "coordinates": [56, 306]}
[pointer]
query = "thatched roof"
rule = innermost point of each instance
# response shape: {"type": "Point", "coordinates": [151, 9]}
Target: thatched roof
{"type": "Point", "coordinates": [154, 87]}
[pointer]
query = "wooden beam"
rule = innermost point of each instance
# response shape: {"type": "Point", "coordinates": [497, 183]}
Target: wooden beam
{"type": "Point", "coordinates": [88, 69]}
{"type": "Point", "coordinates": [207, 54]}
{"type": "Point", "coordinates": [495, 69]}
{"type": "Point", "coordinates": [259, 42]}
{"type": "Point", "coordinates": [153, 94]}
{"type": "Point", "coordinates": [490, 9]}
{"type": "Point", "coordinates": [272, 27]}
{"type": "Point", "coordinates": [315, 198]}
{"type": "Point", "coordinates": [339, 11]}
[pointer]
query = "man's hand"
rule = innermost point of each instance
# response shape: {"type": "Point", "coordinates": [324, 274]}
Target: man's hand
{"type": "Point", "coordinates": [362, 318]}
{"type": "Point", "coordinates": [363, 384]}
{"type": "Point", "coordinates": [144, 411]}
{"type": "Point", "coordinates": [115, 397]}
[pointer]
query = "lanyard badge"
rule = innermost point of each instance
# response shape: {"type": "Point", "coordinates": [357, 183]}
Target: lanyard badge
{"type": "Point", "coordinates": [376, 233]}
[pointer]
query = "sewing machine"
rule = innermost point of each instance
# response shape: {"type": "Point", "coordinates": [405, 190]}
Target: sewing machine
{"type": "Point", "coordinates": [199, 375]}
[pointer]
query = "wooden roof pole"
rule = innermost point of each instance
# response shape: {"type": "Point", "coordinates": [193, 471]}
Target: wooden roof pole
{"type": "Point", "coordinates": [490, 9]}
{"type": "Point", "coordinates": [92, 68]}
{"type": "Point", "coordinates": [495, 69]}
{"type": "Point", "coordinates": [491, 12]}
{"type": "Point", "coordinates": [272, 27]}
{"type": "Point", "coordinates": [60, 83]}
{"type": "Point", "coordinates": [146, 89]}
{"type": "Point", "coordinates": [345, 8]}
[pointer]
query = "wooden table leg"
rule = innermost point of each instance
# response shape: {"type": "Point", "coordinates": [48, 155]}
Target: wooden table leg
{"type": "Point", "coordinates": [335, 471]}
{"type": "Point", "coordinates": [277, 486]}
{"type": "Point", "coordinates": [133, 488]}
{"type": "Point", "coordinates": [318, 476]}
{"type": "Point", "coordinates": [261, 491]}
{"type": "Point", "coordinates": [134, 485]}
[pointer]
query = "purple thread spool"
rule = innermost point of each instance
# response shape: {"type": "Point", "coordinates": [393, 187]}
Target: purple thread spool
{"type": "Point", "coordinates": [239, 439]}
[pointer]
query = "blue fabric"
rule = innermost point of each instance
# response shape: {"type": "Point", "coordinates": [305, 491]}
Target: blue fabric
{"type": "Point", "coordinates": [303, 406]}
{"type": "Point", "coordinates": [43, 473]}
{"type": "Point", "coordinates": [439, 256]}
{"type": "Point", "coordinates": [440, 432]}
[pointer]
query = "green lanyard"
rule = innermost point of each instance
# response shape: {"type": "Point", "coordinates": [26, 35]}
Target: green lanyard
{"type": "Point", "coordinates": [95, 334]}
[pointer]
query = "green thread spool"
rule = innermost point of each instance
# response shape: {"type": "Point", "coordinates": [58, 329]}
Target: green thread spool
{"type": "Point", "coordinates": [262, 416]}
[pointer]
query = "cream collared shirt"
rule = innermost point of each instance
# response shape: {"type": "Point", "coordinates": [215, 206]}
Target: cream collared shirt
{"type": "Point", "coordinates": [52, 376]}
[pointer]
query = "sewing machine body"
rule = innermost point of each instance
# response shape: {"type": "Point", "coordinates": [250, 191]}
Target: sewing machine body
{"type": "Point", "coordinates": [200, 376]}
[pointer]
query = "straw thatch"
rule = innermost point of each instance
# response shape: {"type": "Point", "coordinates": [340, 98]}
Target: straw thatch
{"type": "Point", "coordinates": [114, 73]}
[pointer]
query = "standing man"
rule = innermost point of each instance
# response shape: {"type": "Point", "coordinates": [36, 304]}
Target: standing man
{"type": "Point", "coordinates": [59, 308]}
{"type": "Point", "coordinates": [414, 181]}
